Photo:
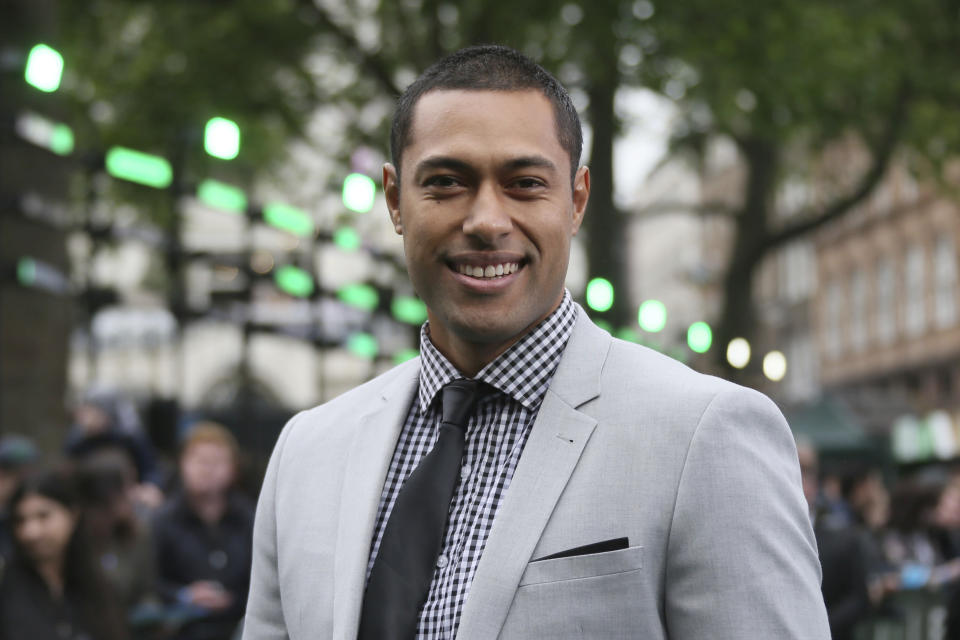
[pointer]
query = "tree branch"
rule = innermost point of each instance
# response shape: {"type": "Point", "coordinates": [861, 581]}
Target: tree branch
{"type": "Point", "coordinates": [713, 208]}
{"type": "Point", "coordinates": [882, 154]}
{"type": "Point", "coordinates": [369, 61]}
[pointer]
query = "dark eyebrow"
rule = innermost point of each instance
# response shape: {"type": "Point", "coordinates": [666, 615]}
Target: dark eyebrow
{"type": "Point", "coordinates": [525, 162]}
{"type": "Point", "coordinates": [441, 162]}
{"type": "Point", "coordinates": [455, 164]}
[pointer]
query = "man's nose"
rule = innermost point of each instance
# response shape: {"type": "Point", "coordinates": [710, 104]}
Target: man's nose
{"type": "Point", "coordinates": [488, 218]}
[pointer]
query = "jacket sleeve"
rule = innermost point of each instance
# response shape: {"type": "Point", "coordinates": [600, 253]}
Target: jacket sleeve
{"type": "Point", "coordinates": [742, 559]}
{"type": "Point", "coordinates": [264, 619]}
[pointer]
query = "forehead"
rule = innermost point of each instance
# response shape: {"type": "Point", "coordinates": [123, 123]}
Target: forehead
{"type": "Point", "coordinates": [484, 124]}
{"type": "Point", "coordinates": [34, 502]}
{"type": "Point", "coordinates": [207, 447]}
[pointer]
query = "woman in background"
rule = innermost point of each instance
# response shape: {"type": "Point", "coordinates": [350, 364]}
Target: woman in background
{"type": "Point", "coordinates": [52, 587]}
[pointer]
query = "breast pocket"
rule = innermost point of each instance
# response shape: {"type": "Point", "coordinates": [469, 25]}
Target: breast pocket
{"type": "Point", "coordinates": [600, 595]}
{"type": "Point", "coordinates": [585, 566]}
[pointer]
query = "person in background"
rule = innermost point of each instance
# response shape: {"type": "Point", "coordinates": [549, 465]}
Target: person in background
{"type": "Point", "coordinates": [17, 453]}
{"type": "Point", "coordinates": [106, 424]}
{"type": "Point", "coordinates": [120, 540]}
{"type": "Point", "coordinates": [909, 543]}
{"type": "Point", "coordinates": [203, 537]}
{"type": "Point", "coordinates": [52, 587]}
{"type": "Point", "coordinates": [842, 555]}
{"type": "Point", "coordinates": [869, 506]}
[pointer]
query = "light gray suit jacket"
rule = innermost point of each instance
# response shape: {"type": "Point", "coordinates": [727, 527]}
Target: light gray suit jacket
{"type": "Point", "coordinates": [701, 476]}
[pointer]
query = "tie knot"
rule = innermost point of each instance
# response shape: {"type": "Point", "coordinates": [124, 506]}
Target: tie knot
{"type": "Point", "coordinates": [458, 399]}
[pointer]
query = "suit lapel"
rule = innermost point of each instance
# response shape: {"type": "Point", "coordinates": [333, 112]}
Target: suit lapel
{"type": "Point", "coordinates": [366, 468]}
{"type": "Point", "coordinates": [557, 439]}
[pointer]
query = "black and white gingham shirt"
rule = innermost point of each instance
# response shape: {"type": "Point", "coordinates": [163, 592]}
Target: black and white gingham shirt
{"type": "Point", "coordinates": [495, 437]}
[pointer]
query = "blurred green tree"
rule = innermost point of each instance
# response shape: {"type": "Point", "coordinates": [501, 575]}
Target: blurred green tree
{"type": "Point", "coordinates": [782, 80]}
{"type": "Point", "coordinates": [788, 81]}
{"type": "Point", "coordinates": [149, 75]}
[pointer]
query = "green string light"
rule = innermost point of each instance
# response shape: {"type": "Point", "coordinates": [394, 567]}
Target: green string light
{"type": "Point", "coordinates": [409, 310]}
{"type": "Point", "coordinates": [295, 281]}
{"type": "Point", "coordinates": [221, 138]}
{"type": "Point", "coordinates": [221, 195]}
{"type": "Point", "coordinates": [699, 337]}
{"type": "Point", "coordinates": [652, 316]}
{"type": "Point", "coordinates": [139, 167]}
{"type": "Point", "coordinates": [361, 296]}
{"type": "Point", "coordinates": [44, 68]}
{"type": "Point", "coordinates": [347, 238]}
{"type": "Point", "coordinates": [359, 192]}
{"type": "Point", "coordinates": [599, 294]}
{"type": "Point", "coordinates": [406, 354]}
{"type": "Point", "coordinates": [283, 216]}
{"type": "Point", "coordinates": [363, 345]}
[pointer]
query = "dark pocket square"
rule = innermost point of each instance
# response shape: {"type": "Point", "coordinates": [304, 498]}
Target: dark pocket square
{"type": "Point", "coordinates": [613, 544]}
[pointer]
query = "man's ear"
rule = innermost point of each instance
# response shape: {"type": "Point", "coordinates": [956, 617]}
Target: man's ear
{"type": "Point", "coordinates": [391, 190]}
{"type": "Point", "coordinates": [581, 194]}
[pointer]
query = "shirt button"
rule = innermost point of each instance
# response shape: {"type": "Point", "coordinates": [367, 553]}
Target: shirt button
{"type": "Point", "coordinates": [442, 561]}
{"type": "Point", "coordinates": [465, 472]}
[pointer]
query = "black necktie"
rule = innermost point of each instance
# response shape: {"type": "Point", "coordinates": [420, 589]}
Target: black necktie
{"type": "Point", "coordinates": [403, 570]}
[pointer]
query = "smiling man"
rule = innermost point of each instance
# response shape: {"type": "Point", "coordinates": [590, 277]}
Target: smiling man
{"type": "Point", "coordinates": [486, 207]}
{"type": "Point", "coordinates": [528, 476]}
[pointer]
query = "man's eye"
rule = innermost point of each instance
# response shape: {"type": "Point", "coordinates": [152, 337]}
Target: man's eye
{"type": "Point", "coordinates": [442, 182]}
{"type": "Point", "coordinates": [527, 183]}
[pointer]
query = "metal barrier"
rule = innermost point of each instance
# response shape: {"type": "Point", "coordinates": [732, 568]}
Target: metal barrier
{"type": "Point", "coordinates": [908, 615]}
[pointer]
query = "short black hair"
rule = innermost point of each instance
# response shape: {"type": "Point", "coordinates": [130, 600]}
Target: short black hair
{"type": "Point", "coordinates": [489, 68]}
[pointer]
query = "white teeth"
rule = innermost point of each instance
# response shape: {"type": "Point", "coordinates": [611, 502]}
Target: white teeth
{"type": "Point", "coordinates": [490, 271]}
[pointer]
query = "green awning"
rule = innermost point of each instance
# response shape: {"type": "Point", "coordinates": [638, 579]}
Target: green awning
{"type": "Point", "coordinates": [830, 426]}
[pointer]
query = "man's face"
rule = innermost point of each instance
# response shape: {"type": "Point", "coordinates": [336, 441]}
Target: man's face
{"type": "Point", "coordinates": [207, 468]}
{"type": "Point", "coordinates": [486, 210]}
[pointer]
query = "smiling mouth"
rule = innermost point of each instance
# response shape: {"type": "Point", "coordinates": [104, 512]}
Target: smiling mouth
{"type": "Point", "coordinates": [488, 272]}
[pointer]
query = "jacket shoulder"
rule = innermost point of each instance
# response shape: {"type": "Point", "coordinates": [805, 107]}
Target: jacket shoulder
{"type": "Point", "coordinates": [346, 407]}
{"type": "Point", "coordinates": [648, 368]}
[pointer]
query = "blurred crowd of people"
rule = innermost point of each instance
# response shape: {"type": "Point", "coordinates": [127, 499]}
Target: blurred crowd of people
{"type": "Point", "coordinates": [879, 540]}
{"type": "Point", "coordinates": [106, 543]}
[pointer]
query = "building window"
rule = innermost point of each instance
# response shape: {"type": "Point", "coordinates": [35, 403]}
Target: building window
{"type": "Point", "coordinates": [798, 271]}
{"type": "Point", "coordinates": [792, 197]}
{"type": "Point", "coordinates": [802, 382]}
{"type": "Point", "coordinates": [858, 310]}
{"type": "Point", "coordinates": [885, 313]}
{"type": "Point", "coordinates": [945, 270]}
{"type": "Point", "coordinates": [914, 300]}
{"type": "Point", "coordinates": [833, 339]}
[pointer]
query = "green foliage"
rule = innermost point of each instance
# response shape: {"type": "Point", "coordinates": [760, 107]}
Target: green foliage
{"type": "Point", "coordinates": [820, 69]}
{"type": "Point", "coordinates": [148, 75]}
{"type": "Point", "coordinates": [783, 79]}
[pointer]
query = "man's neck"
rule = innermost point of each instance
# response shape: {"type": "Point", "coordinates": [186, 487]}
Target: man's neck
{"type": "Point", "coordinates": [470, 356]}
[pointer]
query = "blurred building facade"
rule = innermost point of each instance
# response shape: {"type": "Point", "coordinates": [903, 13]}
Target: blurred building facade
{"type": "Point", "coordinates": [35, 308]}
{"type": "Point", "coordinates": [866, 309]}
{"type": "Point", "coordinates": [887, 316]}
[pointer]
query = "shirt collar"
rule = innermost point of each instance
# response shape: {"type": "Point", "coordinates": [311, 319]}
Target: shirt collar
{"type": "Point", "coordinates": [523, 371]}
